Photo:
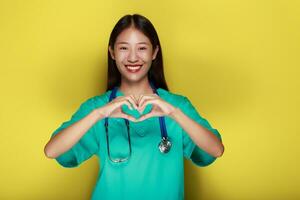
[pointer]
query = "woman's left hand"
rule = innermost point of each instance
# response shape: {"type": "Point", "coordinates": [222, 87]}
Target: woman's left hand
{"type": "Point", "coordinates": [159, 106]}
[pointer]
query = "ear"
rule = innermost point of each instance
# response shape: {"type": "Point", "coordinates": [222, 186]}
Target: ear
{"type": "Point", "coordinates": [111, 51]}
{"type": "Point", "coordinates": [155, 52]}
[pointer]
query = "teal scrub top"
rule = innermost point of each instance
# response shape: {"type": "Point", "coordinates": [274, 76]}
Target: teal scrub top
{"type": "Point", "coordinates": [148, 174]}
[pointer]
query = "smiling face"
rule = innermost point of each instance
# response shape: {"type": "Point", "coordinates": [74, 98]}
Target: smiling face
{"type": "Point", "coordinates": [133, 54]}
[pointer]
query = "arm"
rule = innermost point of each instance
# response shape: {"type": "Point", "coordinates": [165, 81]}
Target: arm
{"type": "Point", "coordinates": [200, 135]}
{"type": "Point", "coordinates": [69, 136]}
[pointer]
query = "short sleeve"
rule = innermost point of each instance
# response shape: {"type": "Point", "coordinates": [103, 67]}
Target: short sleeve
{"type": "Point", "coordinates": [88, 143]}
{"type": "Point", "coordinates": [190, 149]}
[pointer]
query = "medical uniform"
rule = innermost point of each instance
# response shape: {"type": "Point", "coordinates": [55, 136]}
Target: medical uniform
{"type": "Point", "coordinates": [148, 174]}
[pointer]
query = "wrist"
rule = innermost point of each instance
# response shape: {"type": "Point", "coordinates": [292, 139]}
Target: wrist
{"type": "Point", "coordinates": [174, 113]}
{"type": "Point", "coordinates": [99, 113]}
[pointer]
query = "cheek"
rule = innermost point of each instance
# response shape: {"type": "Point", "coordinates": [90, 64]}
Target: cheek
{"type": "Point", "coordinates": [146, 56]}
{"type": "Point", "coordinates": [120, 55]}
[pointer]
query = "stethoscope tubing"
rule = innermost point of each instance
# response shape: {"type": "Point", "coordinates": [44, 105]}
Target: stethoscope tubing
{"type": "Point", "coordinates": [164, 145]}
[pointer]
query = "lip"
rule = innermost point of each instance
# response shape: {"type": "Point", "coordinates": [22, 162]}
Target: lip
{"type": "Point", "coordinates": [134, 70]}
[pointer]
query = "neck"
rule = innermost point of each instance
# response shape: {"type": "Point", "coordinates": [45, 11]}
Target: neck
{"type": "Point", "coordinates": [136, 88]}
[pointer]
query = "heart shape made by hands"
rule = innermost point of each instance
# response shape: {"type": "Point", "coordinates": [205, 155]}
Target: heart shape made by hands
{"type": "Point", "coordinates": [136, 113]}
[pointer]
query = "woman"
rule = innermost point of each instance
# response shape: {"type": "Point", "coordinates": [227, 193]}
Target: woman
{"type": "Point", "coordinates": [145, 158]}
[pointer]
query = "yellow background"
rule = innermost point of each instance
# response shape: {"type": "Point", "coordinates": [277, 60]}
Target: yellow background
{"type": "Point", "coordinates": [238, 62]}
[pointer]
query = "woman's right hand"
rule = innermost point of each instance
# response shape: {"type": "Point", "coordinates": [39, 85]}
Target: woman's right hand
{"type": "Point", "coordinates": [114, 108]}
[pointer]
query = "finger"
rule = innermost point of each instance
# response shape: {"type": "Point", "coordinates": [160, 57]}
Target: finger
{"type": "Point", "coordinates": [146, 102]}
{"type": "Point", "coordinates": [116, 104]}
{"type": "Point", "coordinates": [144, 98]}
{"type": "Point", "coordinates": [135, 100]}
{"type": "Point", "coordinates": [125, 101]}
{"type": "Point", "coordinates": [146, 116]}
{"type": "Point", "coordinates": [132, 101]}
{"type": "Point", "coordinates": [129, 117]}
{"type": "Point", "coordinates": [138, 101]}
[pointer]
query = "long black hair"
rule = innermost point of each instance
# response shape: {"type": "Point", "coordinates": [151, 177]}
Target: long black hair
{"type": "Point", "coordinates": [141, 23]}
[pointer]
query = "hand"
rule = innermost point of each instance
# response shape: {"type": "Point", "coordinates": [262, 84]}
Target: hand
{"type": "Point", "coordinates": [114, 108]}
{"type": "Point", "coordinates": [160, 106]}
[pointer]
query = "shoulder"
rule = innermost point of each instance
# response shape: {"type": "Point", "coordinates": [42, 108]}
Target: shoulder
{"type": "Point", "coordinates": [171, 97]}
{"type": "Point", "coordinates": [97, 100]}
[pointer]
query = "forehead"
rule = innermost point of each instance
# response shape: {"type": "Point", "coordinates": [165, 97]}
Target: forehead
{"type": "Point", "coordinates": [132, 35]}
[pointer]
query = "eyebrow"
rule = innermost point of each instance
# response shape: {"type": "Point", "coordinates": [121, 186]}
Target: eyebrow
{"type": "Point", "coordinates": [128, 43]}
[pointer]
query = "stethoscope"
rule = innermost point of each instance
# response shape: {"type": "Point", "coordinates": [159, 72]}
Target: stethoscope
{"type": "Point", "coordinates": [164, 145]}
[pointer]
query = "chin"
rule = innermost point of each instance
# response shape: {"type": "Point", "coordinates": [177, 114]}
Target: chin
{"type": "Point", "coordinates": [134, 78]}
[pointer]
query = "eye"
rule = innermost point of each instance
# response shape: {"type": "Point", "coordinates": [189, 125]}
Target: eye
{"type": "Point", "coordinates": [143, 48]}
{"type": "Point", "coordinates": [123, 48]}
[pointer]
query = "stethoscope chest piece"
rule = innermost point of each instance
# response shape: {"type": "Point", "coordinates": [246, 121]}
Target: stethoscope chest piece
{"type": "Point", "coordinates": [164, 145]}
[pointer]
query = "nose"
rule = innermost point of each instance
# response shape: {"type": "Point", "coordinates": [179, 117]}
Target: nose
{"type": "Point", "coordinates": [132, 57]}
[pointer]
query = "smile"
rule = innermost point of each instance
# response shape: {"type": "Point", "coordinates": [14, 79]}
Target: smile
{"type": "Point", "coordinates": [133, 68]}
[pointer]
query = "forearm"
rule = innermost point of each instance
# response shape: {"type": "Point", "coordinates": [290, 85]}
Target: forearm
{"type": "Point", "coordinates": [202, 137]}
{"type": "Point", "coordinates": [69, 136]}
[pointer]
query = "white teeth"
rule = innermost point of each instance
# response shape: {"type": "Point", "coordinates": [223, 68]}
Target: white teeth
{"type": "Point", "coordinates": [133, 68]}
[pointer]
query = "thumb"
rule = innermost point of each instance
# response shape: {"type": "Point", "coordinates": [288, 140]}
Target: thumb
{"type": "Point", "coordinates": [129, 117]}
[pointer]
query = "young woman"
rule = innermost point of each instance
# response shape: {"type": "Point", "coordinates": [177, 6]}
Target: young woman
{"type": "Point", "coordinates": [140, 131]}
